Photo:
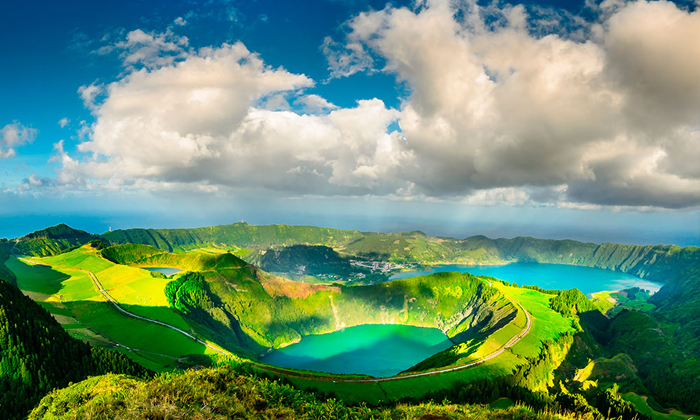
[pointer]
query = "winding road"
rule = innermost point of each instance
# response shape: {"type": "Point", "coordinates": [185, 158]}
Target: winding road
{"type": "Point", "coordinates": [514, 340]}
{"type": "Point", "coordinates": [143, 318]}
{"type": "Point", "coordinates": [286, 372]}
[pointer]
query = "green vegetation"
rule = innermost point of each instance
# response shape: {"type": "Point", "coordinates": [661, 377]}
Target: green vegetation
{"type": "Point", "coordinates": [246, 309]}
{"type": "Point", "coordinates": [315, 261]}
{"type": "Point", "coordinates": [643, 405]}
{"type": "Point", "coordinates": [668, 260]}
{"type": "Point", "coordinates": [52, 241]}
{"type": "Point", "coordinates": [72, 298]}
{"type": "Point", "coordinates": [666, 371]}
{"type": "Point", "coordinates": [612, 303]}
{"type": "Point", "coordinates": [573, 358]}
{"type": "Point", "coordinates": [38, 355]}
{"type": "Point", "coordinates": [223, 394]}
{"type": "Point", "coordinates": [5, 250]}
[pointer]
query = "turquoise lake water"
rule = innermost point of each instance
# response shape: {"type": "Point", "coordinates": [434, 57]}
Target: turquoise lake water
{"type": "Point", "coordinates": [548, 276]}
{"type": "Point", "coordinates": [168, 271]}
{"type": "Point", "coordinates": [377, 350]}
{"type": "Point", "coordinates": [385, 350]}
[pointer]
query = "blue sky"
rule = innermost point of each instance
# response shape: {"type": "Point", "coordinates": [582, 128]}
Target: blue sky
{"type": "Point", "coordinates": [548, 119]}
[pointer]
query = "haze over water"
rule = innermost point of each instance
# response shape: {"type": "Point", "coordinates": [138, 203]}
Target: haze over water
{"type": "Point", "coordinates": [547, 276]}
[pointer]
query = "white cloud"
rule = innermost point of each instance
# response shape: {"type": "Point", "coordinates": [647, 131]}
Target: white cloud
{"type": "Point", "coordinates": [15, 135]}
{"type": "Point", "coordinates": [63, 122]}
{"type": "Point", "coordinates": [347, 59]}
{"type": "Point", "coordinates": [498, 112]}
{"type": "Point", "coordinates": [315, 104]}
{"type": "Point", "coordinates": [494, 106]}
{"type": "Point", "coordinates": [148, 49]}
{"type": "Point", "coordinates": [89, 94]}
{"type": "Point", "coordinates": [214, 119]}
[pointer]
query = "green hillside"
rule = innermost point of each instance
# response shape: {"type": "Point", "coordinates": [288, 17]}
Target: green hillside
{"type": "Point", "coordinates": [51, 241]}
{"type": "Point", "coordinates": [62, 287]}
{"type": "Point", "coordinates": [37, 355]}
{"type": "Point", "coordinates": [242, 307]}
{"type": "Point", "coordinates": [5, 250]}
{"type": "Point", "coordinates": [237, 234]}
{"type": "Point", "coordinates": [572, 357]}
{"type": "Point", "coordinates": [222, 393]}
{"type": "Point", "coordinates": [658, 262]}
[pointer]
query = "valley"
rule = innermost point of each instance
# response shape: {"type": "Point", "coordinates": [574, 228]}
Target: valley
{"type": "Point", "coordinates": [196, 304]}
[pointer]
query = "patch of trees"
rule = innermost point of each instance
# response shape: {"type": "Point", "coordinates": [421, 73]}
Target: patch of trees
{"type": "Point", "coordinates": [37, 355]}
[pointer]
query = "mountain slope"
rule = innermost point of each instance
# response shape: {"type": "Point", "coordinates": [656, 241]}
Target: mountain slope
{"type": "Point", "coordinates": [51, 241]}
{"type": "Point", "coordinates": [657, 262]}
{"type": "Point", "coordinates": [37, 355]}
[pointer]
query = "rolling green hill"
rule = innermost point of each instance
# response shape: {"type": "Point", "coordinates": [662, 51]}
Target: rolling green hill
{"type": "Point", "coordinates": [244, 308]}
{"type": "Point", "coordinates": [52, 241]}
{"type": "Point", "coordinates": [226, 300]}
{"type": "Point", "coordinates": [658, 262]}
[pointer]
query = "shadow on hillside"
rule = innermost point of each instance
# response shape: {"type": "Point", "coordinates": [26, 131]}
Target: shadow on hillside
{"type": "Point", "coordinates": [390, 296]}
{"type": "Point", "coordinates": [587, 345]}
{"type": "Point", "coordinates": [104, 319]}
{"type": "Point", "coordinates": [40, 278]}
{"type": "Point", "coordinates": [481, 330]}
{"type": "Point", "coordinates": [303, 325]}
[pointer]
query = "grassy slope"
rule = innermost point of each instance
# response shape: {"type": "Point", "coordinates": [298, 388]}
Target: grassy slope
{"type": "Point", "coordinates": [272, 312]}
{"type": "Point", "coordinates": [52, 240]}
{"type": "Point", "coordinates": [72, 298]}
{"type": "Point", "coordinates": [222, 394]}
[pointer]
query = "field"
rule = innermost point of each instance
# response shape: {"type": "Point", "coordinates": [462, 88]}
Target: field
{"type": "Point", "coordinates": [72, 298]}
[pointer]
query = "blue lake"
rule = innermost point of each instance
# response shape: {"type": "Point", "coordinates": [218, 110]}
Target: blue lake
{"type": "Point", "coordinates": [377, 350]}
{"type": "Point", "coordinates": [168, 271]}
{"type": "Point", "coordinates": [547, 276]}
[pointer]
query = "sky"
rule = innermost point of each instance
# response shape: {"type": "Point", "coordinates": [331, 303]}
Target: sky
{"type": "Point", "coordinates": [552, 119]}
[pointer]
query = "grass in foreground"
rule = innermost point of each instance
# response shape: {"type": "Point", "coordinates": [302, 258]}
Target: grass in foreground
{"type": "Point", "coordinates": [221, 393]}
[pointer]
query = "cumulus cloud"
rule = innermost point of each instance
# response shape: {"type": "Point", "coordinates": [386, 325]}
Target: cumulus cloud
{"type": "Point", "coordinates": [495, 104]}
{"type": "Point", "coordinates": [314, 104]}
{"type": "Point", "coordinates": [208, 120]}
{"type": "Point", "coordinates": [63, 122]}
{"type": "Point", "coordinates": [501, 110]}
{"type": "Point", "coordinates": [14, 135]}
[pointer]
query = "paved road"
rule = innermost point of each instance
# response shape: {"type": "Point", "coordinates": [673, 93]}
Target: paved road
{"type": "Point", "coordinates": [495, 354]}
{"type": "Point", "coordinates": [143, 318]}
{"type": "Point", "coordinates": [286, 372]}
